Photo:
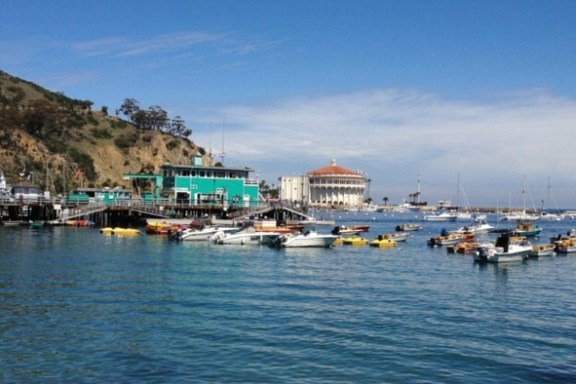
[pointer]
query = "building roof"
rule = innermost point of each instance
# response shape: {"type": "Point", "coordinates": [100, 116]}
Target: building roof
{"type": "Point", "coordinates": [333, 169]}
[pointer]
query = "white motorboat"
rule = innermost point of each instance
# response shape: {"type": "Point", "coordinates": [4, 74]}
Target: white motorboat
{"type": "Point", "coordinates": [519, 216]}
{"type": "Point", "coordinates": [477, 227]}
{"type": "Point", "coordinates": [307, 239]}
{"type": "Point", "coordinates": [245, 236]}
{"type": "Point", "coordinates": [202, 234]}
{"type": "Point", "coordinates": [548, 216]}
{"type": "Point", "coordinates": [442, 216]}
{"type": "Point", "coordinates": [408, 227]}
{"type": "Point", "coordinates": [503, 251]}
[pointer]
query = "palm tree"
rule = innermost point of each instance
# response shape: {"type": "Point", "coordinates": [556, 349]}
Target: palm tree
{"type": "Point", "coordinates": [385, 199]}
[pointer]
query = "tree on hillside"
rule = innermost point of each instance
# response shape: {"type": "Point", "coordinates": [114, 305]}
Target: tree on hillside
{"type": "Point", "coordinates": [129, 108]}
{"type": "Point", "coordinates": [44, 119]}
{"type": "Point", "coordinates": [178, 128]}
{"type": "Point", "coordinates": [157, 118]}
{"type": "Point", "coordinates": [154, 118]}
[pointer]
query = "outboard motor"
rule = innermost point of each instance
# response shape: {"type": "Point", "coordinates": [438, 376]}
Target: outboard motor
{"type": "Point", "coordinates": [175, 235]}
{"type": "Point", "coordinates": [483, 253]}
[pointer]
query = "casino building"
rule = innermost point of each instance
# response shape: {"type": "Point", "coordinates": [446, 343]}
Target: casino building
{"type": "Point", "coordinates": [329, 186]}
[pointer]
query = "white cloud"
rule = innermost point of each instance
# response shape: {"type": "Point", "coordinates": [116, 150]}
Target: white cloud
{"type": "Point", "coordinates": [124, 47]}
{"type": "Point", "coordinates": [393, 135]}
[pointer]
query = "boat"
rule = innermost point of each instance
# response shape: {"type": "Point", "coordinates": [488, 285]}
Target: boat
{"type": "Point", "coordinates": [11, 223]}
{"type": "Point", "coordinates": [37, 224]}
{"type": "Point", "coordinates": [503, 251]}
{"type": "Point", "coordinates": [355, 240]}
{"type": "Point", "coordinates": [442, 216]}
{"type": "Point", "coordinates": [550, 216]}
{"type": "Point", "coordinates": [547, 215]}
{"type": "Point", "coordinates": [202, 234]}
{"type": "Point", "coordinates": [118, 231]}
{"type": "Point", "coordinates": [542, 250]}
{"type": "Point", "coordinates": [397, 237]}
{"type": "Point", "coordinates": [566, 245]}
{"type": "Point", "coordinates": [161, 228]}
{"type": "Point", "coordinates": [79, 223]}
{"type": "Point", "coordinates": [450, 238]}
{"type": "Point", "coordinates": [463, 248]}
{"type": "Point", "coordinates": [309, 239]}
{"type": "Point", "coordinates": [271, 226]}
{"type": "Point", "coordinates": [408, 227]}
{"type": "Point", "coordinates": [383, 243]}
{"type": "Point", "coordinates": [523, 215]}
{"type": "Point", "coordinates": [480, 226]}
{"type": "Point", "coordinates": [348, 231]}
{"type": "Point", "coordinates": [527, 229]}
{"type": "Point", "coordinates": [245, 236]}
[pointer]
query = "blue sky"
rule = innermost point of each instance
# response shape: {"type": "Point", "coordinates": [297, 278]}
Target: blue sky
{"type": "Point", "coordinates": [478, 91]}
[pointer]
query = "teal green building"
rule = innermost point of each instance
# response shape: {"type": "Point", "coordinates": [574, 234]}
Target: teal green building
{"type": "Point", "coordinates": [200, 185]}
{"type": "Point", "coordinates": [107, 196]}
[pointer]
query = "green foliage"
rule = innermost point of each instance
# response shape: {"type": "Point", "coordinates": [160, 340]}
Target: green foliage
{"type": "Point", "coordinates": [172, 144]}
{"type": "Point", "coordinates": [91, 119]}
{"type": "Point", "coordinates": [85, 163]}
{"type": "Point", "coordinates": [101, 133]}
{"type": "Point", "coordinates": [118, 124]}
{"type": "Point", "coordinates": [126, 141]}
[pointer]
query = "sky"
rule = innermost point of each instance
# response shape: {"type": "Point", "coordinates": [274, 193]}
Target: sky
{"type": "Point", "coordinates": [476, 99]}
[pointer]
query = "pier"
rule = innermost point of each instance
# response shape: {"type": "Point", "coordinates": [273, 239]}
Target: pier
{"type": "Point", "coordinates": [133, 212]}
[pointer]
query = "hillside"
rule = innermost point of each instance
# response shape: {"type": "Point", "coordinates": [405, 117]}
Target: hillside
{"type": "Point", "coordinates": [60, 143]}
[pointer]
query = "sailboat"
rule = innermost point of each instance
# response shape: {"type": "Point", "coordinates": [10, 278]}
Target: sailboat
{"type": "Point", "coordinates": [550, 216]}
{"type": "Point", "coordinates": [523, 215]}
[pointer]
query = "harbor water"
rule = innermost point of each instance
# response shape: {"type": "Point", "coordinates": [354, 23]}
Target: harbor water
{"type": "Point", "coordinates": [81, 307]}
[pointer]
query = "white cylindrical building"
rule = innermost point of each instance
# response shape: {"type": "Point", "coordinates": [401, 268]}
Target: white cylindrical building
{"type": "Point", "coordinates": [336, 186]}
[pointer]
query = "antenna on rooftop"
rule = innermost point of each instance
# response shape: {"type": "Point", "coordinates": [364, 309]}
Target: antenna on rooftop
{"type": "Point", "coordinates": [222, 152]}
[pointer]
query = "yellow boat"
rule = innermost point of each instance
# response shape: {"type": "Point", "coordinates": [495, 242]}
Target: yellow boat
{"type": "Point", "coordinates": [383, 243]}
{"type": "Point", "coordinates": [354, 240]}
{"type": "Point", "coordinates": [119, 231]}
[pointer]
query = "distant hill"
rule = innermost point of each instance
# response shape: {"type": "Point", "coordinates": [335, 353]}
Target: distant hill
{"type": "Point", "coordinates": [60, 143]}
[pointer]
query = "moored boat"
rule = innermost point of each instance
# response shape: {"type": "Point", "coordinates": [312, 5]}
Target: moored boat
{"type": "Point", "coordinates": [355, 240]}
{"type": "Point", "coordinates": [527, 229]}
{"type": "Point", "coordinates": [447, 239]}
{"type": "Point", "coordinates": [505, 250]}
{"type": "Point", "coordinates": [397, 237]}
{"type": "Point", "coordinates": [566, 245]}
{"type": "Point", "coordinates": [382, 243]}
{"type": "Point", "coordinates": [161, 228]}
{"type": "Point", "coordinates": [442, 216]}
{"type": "Point", "coordinates": [408, 227]}
{"type": "Point", "coordinates": [118, 231]}
{"type": "Point", "coordinates": [309, 239]}
{"type": "Point", "coordinates": [200, 234]}
{"type": "Point", "coordinates": [542, 250]}
{"type": "Point", "coordinates": [245, 236]}
{"type": "Point", "coordinates": [463, 248]}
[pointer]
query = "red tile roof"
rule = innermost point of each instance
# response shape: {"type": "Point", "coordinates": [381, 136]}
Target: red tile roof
{"type": "Point", "coordinates": [333, 169]}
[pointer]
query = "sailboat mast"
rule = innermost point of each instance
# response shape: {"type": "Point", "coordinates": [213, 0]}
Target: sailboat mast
{"type": "Point", "coordinates": [418, 191]}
